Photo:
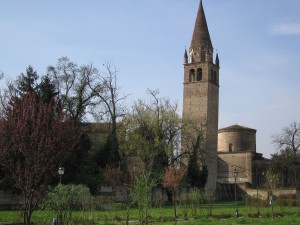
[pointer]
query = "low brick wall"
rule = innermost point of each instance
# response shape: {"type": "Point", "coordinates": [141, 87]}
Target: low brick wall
{"type": "Point", "coordinates": [279, 192]}
{"type": "Point", "coordinates": [8, 200]}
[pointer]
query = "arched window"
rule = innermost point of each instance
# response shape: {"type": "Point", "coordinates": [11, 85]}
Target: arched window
{"type": "Point", "coordinates": [230, 147]}
{"type": "Point", "coordinates": [199, 74]}
{"type": "Point", "coordinates": [211, 75]}
{"type": "Point", "coordinates": [192, 75]}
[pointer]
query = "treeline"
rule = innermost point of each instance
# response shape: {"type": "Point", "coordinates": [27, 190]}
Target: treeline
{"type": "Point", "coordinates": [76, 117]}
{"type": "Point", "coordinates": [45, 124]}
{"type": "Point", "coordinates": [285, 163]}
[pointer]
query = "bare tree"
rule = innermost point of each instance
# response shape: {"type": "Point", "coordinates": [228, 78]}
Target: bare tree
{"type": "Point", "coordinates": [171, 180]}
{"type": "Point", "coordinates": [108, 90]}
{"type": "Point", "coordinates": [289, 140]}
{"type": "Point", "coordinates": [121, 183]}
{"type": "Point", "coordinates": [2, 96]}
{"type": "Point", "coordinates": [281, 164]}
{"type": "Point", "coordinates": [148, 140]}
{"type": "Point", "coordinates": [35, 138]}
{"type": "Point", "coordinates": [111, 108]}
{"type": "Point", "coordinates": [77, 86]}
{"type": "Point", "coordinates": [271, 184]}
{"type": "Point", "coordinates": [84, 90]}
{"type": "Point", "coordinates": [151, 133]}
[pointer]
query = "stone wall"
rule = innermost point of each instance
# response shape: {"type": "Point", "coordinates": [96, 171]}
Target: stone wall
{"type": "Point", "coordinates": [263, 194]}
{"type": "Point", "coordinates": [227, 162]}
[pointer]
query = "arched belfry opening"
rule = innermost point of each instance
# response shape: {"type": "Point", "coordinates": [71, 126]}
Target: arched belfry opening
{"type": "Point", "coordinates": [199, 74]}
{"type": "Point", "coordinates": [192, 75]}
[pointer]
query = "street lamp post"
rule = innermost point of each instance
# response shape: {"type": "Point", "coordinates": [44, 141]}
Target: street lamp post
{"type": "Point", "coordinates": [61, 171]}
{"type": "Point", "coordinates": [271, 196]}
{"type": "Point", "coordinates": [235, 175]}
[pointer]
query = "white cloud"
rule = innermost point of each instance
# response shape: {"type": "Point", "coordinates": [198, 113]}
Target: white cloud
{"type": "Point", "coordinates": [285, 29]}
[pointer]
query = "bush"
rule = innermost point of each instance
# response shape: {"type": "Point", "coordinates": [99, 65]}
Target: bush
{"type": "Point", "coordinates": [223, 216]}
{"type": "Point", "coordinates": [287, 200]}
{"type": "Point", "coordinates": [82, 221]}
{"type": "Point", "coordinates": [63, 199]}
{"type": "Point", "coordinates": [209, 200]}
{"type": "Point", "coordinates": [253, 201]}
{"type": "Point", "coordinates": [253, 215]}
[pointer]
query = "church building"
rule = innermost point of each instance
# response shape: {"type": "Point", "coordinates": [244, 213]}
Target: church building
{"type": "Point", "coordinates": [226, 149]}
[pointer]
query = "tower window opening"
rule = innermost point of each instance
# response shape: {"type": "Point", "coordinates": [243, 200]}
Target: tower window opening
{"type": "Point", "coordinates": [192, 75]}
{"type": "Point", "coordinates": [211, 75]}
{"type": "Point", "coordinates": [215, 77]}
{"type": "Point", "coordinates": [199, 74]}
{"type": "Point", "coordinates": [230, 147]}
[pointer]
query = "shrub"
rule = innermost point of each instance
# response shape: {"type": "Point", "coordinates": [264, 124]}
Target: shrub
{"type": "Point", "coordinates": [63, 199]}
{"type": "Point", "coordinates": [209, 200]}
{"type": "Point", "coordinates": [223, 216]}
{"type": "Point", "coordinates": [287, 200]}
{"type": "Point", "coordinates": [82, 221]}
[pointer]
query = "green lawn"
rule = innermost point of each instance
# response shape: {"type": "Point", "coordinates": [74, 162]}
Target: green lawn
{"type": "Point", "coordinates": [222, 213]}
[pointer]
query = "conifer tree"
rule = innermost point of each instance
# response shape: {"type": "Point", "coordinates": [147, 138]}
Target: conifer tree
{"type": "Point", "coordinates": [197, 173]}
{"type": "Point", "coordinates": [27, 83]}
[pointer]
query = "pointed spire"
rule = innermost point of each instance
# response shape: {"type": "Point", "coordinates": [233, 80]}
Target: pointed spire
{"type": "Point", "coordinates": [185, 57]}
{"type": "Point", "coordinates": [201, 37]}
{"type": "Point", "coordinates": [217, 62]}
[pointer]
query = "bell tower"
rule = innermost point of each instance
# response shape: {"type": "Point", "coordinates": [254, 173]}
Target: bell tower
{"type": "Point", "coordinates": [201, 93]}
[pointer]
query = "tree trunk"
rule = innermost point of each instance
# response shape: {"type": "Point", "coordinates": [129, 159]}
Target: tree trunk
{"type": "Point", "coordinates": [175, 206]}
{"type": "Point", "coordinates": [127, 215]}
{"type": "Point", "coordinates": [27, 216]}
{"type": "Point", "coordinates": [147, 219]}
{"type": "Point", "coordinates": [295, 170]}
{"type": "Point", "coordinates": [28, 207]}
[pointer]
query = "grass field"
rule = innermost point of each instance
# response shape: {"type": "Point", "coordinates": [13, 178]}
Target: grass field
{"type": "Point", "coordinates": [222, 213]}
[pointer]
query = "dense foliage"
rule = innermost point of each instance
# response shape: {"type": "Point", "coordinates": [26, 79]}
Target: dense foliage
{"type": "Point", "coordinates": [36, 137]}
{"type": "Point", "coordinates": [64, 199]}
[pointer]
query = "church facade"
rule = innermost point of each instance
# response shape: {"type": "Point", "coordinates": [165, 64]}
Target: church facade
{"type": "Point", "coordinates": [226, 149]}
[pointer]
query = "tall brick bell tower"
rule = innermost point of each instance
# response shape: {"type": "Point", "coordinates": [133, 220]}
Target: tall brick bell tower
{"type": "Point", "coordinates": [201, 92]}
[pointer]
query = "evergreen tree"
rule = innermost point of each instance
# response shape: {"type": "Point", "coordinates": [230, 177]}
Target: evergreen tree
{"type": "Point", "coordinates": [197, 173]}
{"type": "Point", "coordinates": [46, 89]}
{"type": "Point", "coordinates": [27, 83]}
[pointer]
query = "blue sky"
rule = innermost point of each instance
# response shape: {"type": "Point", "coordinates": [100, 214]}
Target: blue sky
{"type": "Point", "coordinates": [258, 42]}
